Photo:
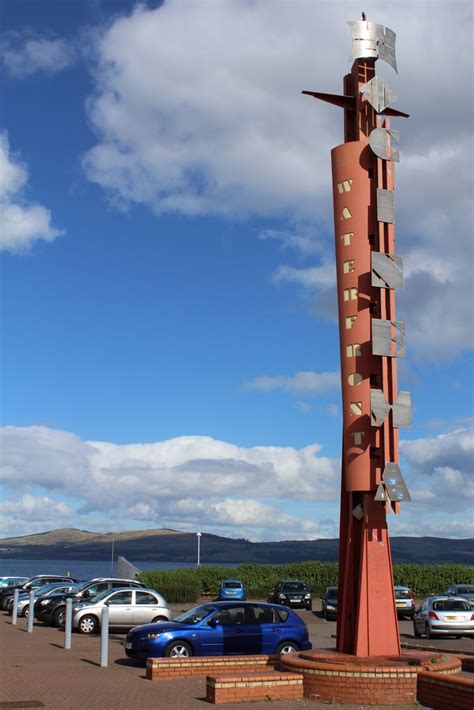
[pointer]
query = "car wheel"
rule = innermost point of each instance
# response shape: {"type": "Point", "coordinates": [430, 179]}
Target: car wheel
{"type": "Point", "coordinates": [287, 647]}
{"type": "Point", "coordinates": [428, 632]}
{"type": "Point", "coordinates": [26, 611]}
{"type": "Point", "coordinates": [159, 618]}
{"type": "Point", "coordinates": [88, 624]}
{"type": "Point", "coordinates": [416, 633]}
{"type": "Point", "coordinates": [59, 617]}
{"type": "Point", "coordinates": [178, 649]}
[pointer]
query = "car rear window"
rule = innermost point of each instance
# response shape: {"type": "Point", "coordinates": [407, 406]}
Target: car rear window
{"type": "Point", "coordinates": [451, 605]}
{"type": "Point", "coordinates": [232, 585]}
{"type": "Point", "coordinates": [468, 589]}
{"type": "Point", "coordinates": [402, 594]}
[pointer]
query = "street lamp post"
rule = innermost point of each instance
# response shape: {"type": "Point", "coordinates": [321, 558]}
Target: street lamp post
{"type": "Point", "coordinates": [198, 535]}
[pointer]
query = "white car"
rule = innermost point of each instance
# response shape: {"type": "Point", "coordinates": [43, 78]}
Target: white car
{"type": "Point", "coordinates": [127, 608]}
{"type": "Point", "coordinates": [444, 616]}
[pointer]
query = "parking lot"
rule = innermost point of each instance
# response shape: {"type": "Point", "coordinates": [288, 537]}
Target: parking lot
{"type": "Point", "coordinates": [37, 671]}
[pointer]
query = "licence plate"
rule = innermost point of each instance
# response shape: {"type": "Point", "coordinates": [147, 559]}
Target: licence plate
{"type": "Point", "coordinates": [452, 618]}
{"type": "Point", "coordinates": [128, 645]}
{"type": "Point", "coordinates": [401, 603]}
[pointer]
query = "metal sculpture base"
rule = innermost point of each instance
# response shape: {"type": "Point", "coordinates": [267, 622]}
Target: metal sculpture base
{"type": "Point", "coordinates": [329, 676]}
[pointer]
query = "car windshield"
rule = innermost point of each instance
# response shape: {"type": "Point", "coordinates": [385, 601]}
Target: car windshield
{"type": "Point", "coordinates": [294, 587]}
{"type": "Point", "coordinates": [232, 585]}
{"type": "Point", "coordinates": [465, 590]}
{"type": "Point", "coordinates": [331, 593]}
{"type": "Point", "coordinates": [451, 605]}
{"type": "Point", "coordinates": [402, 594]}
{"type": "Point", "coordinates": [99, 596]}
{"type": "Point", "coordinates": [197, 614]}
{"type": "Point", "coordinates": [83, 586]}
{"type": "Point", "coordinates": [43, 589]}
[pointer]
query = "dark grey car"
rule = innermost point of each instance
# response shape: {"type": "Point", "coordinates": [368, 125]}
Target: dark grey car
{"type": "Point", "coordinates": [466, 591]}
{"type": "Point", "coordinates": [329, 603]}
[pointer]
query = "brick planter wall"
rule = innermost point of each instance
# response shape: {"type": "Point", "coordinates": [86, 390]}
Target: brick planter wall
{"type": "Point", "coordinates": [345, 679]}
{"type": "Point", "coordinates": [253, 687]}
{"type": "Point", "coordinates": [168, 668]}
{"type": "Point", "coordinates": [445, 692]}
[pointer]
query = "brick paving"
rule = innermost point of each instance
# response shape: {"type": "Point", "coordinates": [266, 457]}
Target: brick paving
{"type": "Point", "coordinates": [36, 672]}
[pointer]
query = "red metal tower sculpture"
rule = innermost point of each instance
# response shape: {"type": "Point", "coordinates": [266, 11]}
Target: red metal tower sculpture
{"type": "Point", "coordinates": [368, 273]}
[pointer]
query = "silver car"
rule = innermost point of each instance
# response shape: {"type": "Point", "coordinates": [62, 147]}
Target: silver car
{"type": "Point", "coordinates": [41, 593]}
{"type": "Point", "coordinates": [127, 608]}
{"type": "Point", "coordinates": [444, 616]}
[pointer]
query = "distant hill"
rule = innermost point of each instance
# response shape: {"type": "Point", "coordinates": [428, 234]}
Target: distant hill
{"type": "Point", "coordinates": [161, 545]}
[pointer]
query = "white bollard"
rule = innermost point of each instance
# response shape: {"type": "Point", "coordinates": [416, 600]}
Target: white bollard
{"type": "Point", "coordinates": [31, 611]}
{"type": "Point", "coordinates": [16, 594]}
{"type": "Point", "coordinates": [68, 625]}
{"type": "Point", "coordinates": [104, 638]}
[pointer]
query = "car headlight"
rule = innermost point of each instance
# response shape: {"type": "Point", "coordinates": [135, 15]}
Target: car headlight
{"type": "Point", "coordinates": [281, 596]}
{"type": "Point", "coordinates": [307, 596]}
{"type": "Point", "coordinates": [329, 606]}
{"type": "Point", "coordinates": [154, 635]}
{"type": "Point", "coordinates": [45, 602]}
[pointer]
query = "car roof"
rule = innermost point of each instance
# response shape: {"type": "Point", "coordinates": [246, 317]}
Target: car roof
{"type": "Point", "coordinates": [284, 581]}
{"type": "Point", "coordinates": [239, 581]}
{"type": "Point", "coordinates": [111, 579]}
{"type": "Point", "coordinates": [401, 586]}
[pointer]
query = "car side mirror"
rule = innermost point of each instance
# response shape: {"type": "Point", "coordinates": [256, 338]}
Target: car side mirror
{"type": "Point", "coordinates": [213, 623]}
{"type": "Point", "coordinates": [86, 594]}
{"type": "Point", "coordinates": [107, 603]}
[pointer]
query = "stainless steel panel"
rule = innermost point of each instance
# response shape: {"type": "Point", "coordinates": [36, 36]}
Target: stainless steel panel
{"type": "Point", "coordinates": [388, 338]}
{"type": "Point", "coordinates": [395, 483]}
{"type": "Point", "coordinates": [384, 144]}
{"type": "Point", "coordinates": [379, 407]}
{"type": "Point", "coordinates": [378, 94]}
{"type": "Point", "coordinates": [370, 40]}
{"type": "Point", "coordinates": [387, 270]}
{"type": "Point", "coordinates": [385, 206]}
{"type": "Point", "coordinates": [402, 410]}
{"type": "Point", "coordinates": [381, 494]}
{"type": "Point", "coordinates": [386, 45]}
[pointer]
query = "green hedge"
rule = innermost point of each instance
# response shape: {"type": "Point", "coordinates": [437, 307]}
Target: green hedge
{"type": "Point", "coordinates": [188, 584]}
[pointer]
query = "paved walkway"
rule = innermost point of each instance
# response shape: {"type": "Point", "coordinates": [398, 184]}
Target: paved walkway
{"type": "Point", "coordinates": [36, 672]}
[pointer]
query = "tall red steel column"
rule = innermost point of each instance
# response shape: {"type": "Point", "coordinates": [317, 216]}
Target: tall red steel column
{"type": "Point", "coordinates": [368, 273]}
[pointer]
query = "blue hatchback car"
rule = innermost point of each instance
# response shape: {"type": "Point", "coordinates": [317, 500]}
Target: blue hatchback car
{"type": "Point", "coordinates": [232, 589]}
{"type": "Point", "coordinates": [221, 628]}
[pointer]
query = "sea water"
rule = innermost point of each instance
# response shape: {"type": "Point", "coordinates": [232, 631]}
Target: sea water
{"type": "Point", "coordinates": [82, 569]}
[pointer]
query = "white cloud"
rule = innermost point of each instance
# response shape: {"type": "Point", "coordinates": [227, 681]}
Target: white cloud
{"type": "Point", "coordinates": [300, 382]}
{"type": "Point", "coordinates": [170, 483]}
{"type": "Point", "coordinates": [196, 482]}
{"type": "Point", "coordinates": [21, 222]}
{"type": "Point", "coordinates": [441, 471]}
{"type": "Point", "coordinates": [198, 110]}
{"type": "Point", "coordinates": [23, 56]}
{"type": "Point", "coordinates": [33, 513]}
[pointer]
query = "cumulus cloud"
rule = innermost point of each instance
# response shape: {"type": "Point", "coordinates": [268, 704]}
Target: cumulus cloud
{"type": "Point", "coordinates": [441, 471]}
{"type": "Point", "coordinates": [198, 109]}
{"type": "Point", "coordinates": [34, 513]}
{"type": "Point", "coordinates": [172, 483]}
{"type": "Point", "coordinates": [21, 222]}
{"type": "Point", "coordinates": [22, 56]}
{"type": "Point", "coordinates": [301, 382]}
{"type": "Point", "coordinates": [196, 482]}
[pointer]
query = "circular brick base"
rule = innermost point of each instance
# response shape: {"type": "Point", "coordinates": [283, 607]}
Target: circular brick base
{"type": "Point", "coordinates": [381, 680]}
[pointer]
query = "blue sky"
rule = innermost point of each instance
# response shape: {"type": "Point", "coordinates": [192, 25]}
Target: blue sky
{"type": "Point", "coordinates": [169, 345]}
